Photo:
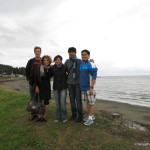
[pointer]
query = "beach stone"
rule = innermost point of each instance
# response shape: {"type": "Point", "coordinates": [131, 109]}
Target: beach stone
{"type": "Point", "coordinates": [132, 125]}
{"type": "Point", "coordinates": [116, 115]}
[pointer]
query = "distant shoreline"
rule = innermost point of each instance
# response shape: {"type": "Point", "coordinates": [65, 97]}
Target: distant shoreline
{"type": "Point", "coordinates": [98, 99]}
{"type": "Point", "coordinates": [123, 76]}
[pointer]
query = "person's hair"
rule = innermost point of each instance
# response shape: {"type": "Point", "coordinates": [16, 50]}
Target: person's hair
{"type": "Point", "coordinates": [86, 51]}
{"type": "Point", "coordinates": [48, 57]}
{"type": "Point", "coordinates": [37, 47]}
{"type": "Point", "coordinates": [71, 49]}
{"type": "Point", "coordinates": [58, 56]}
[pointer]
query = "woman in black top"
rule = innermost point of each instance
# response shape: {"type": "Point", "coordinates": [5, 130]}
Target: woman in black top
{"type": "Point", "coordinates": [60, 89]}
{"type": "Point", "coordinates": [43, 87]}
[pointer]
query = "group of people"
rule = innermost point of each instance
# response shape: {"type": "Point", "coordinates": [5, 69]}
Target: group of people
{"type": "Point", "coordinates": [78, 76]}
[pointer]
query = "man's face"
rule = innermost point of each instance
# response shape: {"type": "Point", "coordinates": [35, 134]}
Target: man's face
{"type": "Point", "coordinates": [72, 54]}
{"type": "Point", "coordinates": [37, 53]}
{"type": "Point", "coordinates": [85, 56]}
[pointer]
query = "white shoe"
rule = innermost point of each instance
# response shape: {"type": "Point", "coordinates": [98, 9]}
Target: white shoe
{"type": "Point", "coordinates": [65, 120]}
{"type": "Point", "coordinates": [89, 122]}
{"type": "Point", "coordinates": [85, 119]}
{"type": "Point", "coordinates": [56, 120]}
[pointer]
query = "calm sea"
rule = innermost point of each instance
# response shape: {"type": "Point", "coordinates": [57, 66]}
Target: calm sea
{"type": "Point", "coordinates": [133, 90]}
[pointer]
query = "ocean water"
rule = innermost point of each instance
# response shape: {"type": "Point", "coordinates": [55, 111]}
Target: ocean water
{"type": "Point", "coordinates": [133, 90]}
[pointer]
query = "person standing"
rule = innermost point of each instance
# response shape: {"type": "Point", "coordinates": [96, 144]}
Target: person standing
{"type": "Point", "coordinates": [42, 81]}
{"type": "Point", "coordinates": [88, 75]}
{"type": "Point", "coordinates": [31, 68]}
{"type": "Point", "coordinates": [72, 65]}
{"type": "Point", "coordinates": [60, 89]}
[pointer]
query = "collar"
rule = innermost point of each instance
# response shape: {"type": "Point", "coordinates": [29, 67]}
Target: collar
{"type": "Point", "coordinates": [85, 61]}
{"type": "Point", "coordinates": [59, 65]}
{"type": "Point", "coordinates": [75, 58]}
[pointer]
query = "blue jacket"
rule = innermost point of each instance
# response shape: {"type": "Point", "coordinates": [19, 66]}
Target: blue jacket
{"type": "Point", "coordinates": [88, 71]}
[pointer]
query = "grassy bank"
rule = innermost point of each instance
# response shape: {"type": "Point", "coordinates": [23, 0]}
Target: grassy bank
{"type": "Point", "coordinates": [17, 133]}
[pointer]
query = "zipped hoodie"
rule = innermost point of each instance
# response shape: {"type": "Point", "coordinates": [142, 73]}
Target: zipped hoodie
{"type": "Point", "coordinates": [88, 71]}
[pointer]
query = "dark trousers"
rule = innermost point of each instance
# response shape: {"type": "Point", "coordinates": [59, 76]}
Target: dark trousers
{"type": "Point", "coordinates": [75, 100]}
{"type": "Point", "coordinates": [32, 92]}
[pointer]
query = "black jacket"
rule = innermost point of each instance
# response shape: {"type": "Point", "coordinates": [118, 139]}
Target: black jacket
{"type": "Point", "coordinates": [44, 83]}
{"type": "Point", "coordinates": [46, 78]}
{"type": "Point", "coordinates": [30, 71]}
{"type": "Point", "coordinates": [60, 78]}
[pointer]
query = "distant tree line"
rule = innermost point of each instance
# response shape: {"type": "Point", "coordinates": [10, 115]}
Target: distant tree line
{"type": "Point", "coordinates": [8, 70]}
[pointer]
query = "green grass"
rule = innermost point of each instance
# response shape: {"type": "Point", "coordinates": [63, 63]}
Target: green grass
{"type": "Point", "coordinates": [17, 133]}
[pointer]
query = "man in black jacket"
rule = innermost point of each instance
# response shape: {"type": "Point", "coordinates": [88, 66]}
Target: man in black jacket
{"type": "Point", "coordinates": [31, 67]}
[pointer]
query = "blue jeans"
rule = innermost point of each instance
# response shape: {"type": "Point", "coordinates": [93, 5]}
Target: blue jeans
{"type": "Point", "coordinates": [60, 98]}
{"type": "Point", "coordinates": [75, 100]}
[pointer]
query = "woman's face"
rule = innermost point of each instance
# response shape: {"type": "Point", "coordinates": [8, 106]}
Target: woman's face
{"type": "Point", "coordinates": [46, 62]}
{"type": "Point", "coordinates": [58, 61]}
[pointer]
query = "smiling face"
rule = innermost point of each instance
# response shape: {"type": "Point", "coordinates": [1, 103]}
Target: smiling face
{"type": "Point", "coordinates": [37, 53]}
{"type": "Point", "coordinates": [72, 54]}
{"type": "Point", "coordinates": [58, 61]}
{"type": "Point", "coordinates": [46, 62]}
{"type": "Point", "coordinates": [85, 56]}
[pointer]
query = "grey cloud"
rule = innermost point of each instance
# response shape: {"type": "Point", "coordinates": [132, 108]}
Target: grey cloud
{"type": "Point", "coordinates": [30, 20]}
{"type": "Point", "coordinates": [145, 15]}
{"type": "Point", "coordinates": [52, 42]}
{"type": "Point", "coordinates": [22, 6]}
{"type": "Point", "coordinates": [132, 11]}
{"type": "Point", "coordinates": [28, 29]}
{"type": "Point", "coordinates": [25, 35]}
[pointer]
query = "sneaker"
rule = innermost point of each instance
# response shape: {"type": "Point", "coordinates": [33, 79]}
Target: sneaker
{"type": "Point", "coordinates": [85, 119]}
{"type": "Point", "coordinates": [44, 120]}
{"type": "Point", "coordinates": [56, 120]}
{"type": "Point", "coordinates": [39, 120]}
{"type": "Point", "coordinates": [64, 120]}
{"type": "Point", "coordinates": [88, 122]}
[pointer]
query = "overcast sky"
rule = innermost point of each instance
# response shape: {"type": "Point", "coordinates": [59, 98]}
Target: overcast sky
{"type": "Point", "coordinates": [117, 32]}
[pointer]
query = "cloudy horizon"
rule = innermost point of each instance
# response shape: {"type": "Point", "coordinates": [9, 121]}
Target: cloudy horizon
{"type": "Point", "coordinates": [116, 32]}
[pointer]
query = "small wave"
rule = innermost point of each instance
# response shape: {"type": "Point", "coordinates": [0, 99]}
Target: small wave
{"type": "Point", "coordinates": [128, 102]}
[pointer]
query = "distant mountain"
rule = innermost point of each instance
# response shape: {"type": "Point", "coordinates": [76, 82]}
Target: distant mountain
{"type": "Point", "coordinates": [8, 70]}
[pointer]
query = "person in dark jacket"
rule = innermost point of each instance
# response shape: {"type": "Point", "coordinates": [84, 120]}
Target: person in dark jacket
{"type": "Point", "coordinates": [42, 80]}
{"type": "Point", "coordinates": [60, 89]}
{"type": "Point", "coordinates": [31, 68]}
{"type": "Point", "coordinates": [72, 64]}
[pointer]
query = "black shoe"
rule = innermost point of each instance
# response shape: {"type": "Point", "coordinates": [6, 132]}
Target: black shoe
{"type": "Point", "coordinates": [39, 120]}
{"type": "Point", "coordinates": [72, 118]}
{"type": "Point", "coordinates": [79, 119]}
{"type": "Point", "coordinates": [32, 118]}
{"type": "Point", "coordinates": [44, 119]}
